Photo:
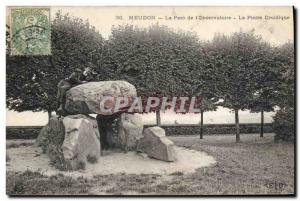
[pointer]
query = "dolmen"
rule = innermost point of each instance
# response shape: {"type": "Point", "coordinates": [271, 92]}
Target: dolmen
{"type": "Point", "coordinates": [77, 138]}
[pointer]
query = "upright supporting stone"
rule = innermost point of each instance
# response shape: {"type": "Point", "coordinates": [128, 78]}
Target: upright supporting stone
{"type": "Point", "coordinates": [130, 131]}
{"type": "Point", "coordinates": [70, 141]}
{"type": "Point", "coordinates": [156, 145]}
{"type": "Point", "coordinates": [82, 140]}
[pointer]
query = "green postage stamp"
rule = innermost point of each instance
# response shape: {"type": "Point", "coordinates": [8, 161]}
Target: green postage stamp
{"type": "Point", "coordinates": [30, 31]}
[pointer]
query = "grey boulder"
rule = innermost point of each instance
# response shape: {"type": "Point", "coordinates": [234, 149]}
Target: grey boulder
{"type": "Point", "coordinates": [86, 98]}
{"type": "Point", "coordinates": [82, 140]}
{"type": "Point", "coordinates": [156, 145]}
{"type": "Point", "coordinates": [130, 130]}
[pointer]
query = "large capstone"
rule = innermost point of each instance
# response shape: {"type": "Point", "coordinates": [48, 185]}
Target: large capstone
{"type": "Point", "coordinates": [82, 140]}
{"type": "Point", "coordinates": [156, 145]}
{"type": "Point", "coordinates": [86, 98]}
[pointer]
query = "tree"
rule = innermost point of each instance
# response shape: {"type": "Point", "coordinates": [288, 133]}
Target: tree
{"type": "Point", "coordinates": [206, 85]}
{"type": "Point", "coordinates": [284, 120]}
{"type": "Point", "coordinates": [206, 105]}
{"type": "Point", "coordinates": [285, 89]}
{"type": "Point", "coordinates": [201, 81]}
{"type": "Point", "coordinates": [267, 73]}
{"type": "Point", "coordinates": [235, 60]}
{"type": "Point", "coordinates": [32, 80]}
{"type": "Point", "coordinates": [157, 60]}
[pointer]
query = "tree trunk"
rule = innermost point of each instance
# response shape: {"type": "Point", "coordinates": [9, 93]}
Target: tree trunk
{"type": "Point", "coordinates": [262, 123]}
{"type": "Point", "coordinates": [201, 125]}
{"type": "Point", "coordinates": [237, 125]}
{"type": "Point", "coordinates": [49, 115]}
{"type": "Point", "coordinates": [158, 120]}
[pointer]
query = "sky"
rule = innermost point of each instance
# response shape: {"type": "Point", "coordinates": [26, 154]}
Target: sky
{"type": "Point", "coordinates": [276, 31]}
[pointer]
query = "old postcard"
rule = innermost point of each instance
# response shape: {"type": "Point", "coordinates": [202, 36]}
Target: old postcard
{"type": "Point", "coordinates": [150, 100]}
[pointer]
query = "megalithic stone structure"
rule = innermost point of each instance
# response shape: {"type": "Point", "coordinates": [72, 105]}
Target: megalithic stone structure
{"type": "Point", "coordinates": [77, 138]}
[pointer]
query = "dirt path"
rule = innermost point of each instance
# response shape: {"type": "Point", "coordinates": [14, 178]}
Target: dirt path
{"type": "Point", "coordinates": [31, 158]}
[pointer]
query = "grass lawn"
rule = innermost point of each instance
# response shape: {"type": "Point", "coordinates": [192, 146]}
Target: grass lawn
{"type": "Point", "coordinates": [254, 166]}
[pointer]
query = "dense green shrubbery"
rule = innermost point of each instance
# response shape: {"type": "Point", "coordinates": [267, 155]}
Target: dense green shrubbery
{"type": "Point", "coordinates": [50, 139]}
{"type": "Point", "coordinates": [216, 129]}
{"type": "Point", "coordinates": [32, 81]}
{"type": "Point", "coordinates": [284, 125]}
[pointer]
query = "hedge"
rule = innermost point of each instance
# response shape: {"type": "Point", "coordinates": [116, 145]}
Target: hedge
{"type": "Point", "coordinates": [31, 132]}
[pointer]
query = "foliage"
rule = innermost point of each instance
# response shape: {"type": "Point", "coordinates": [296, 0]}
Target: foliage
{"type": "Point", "coordinates": [267, 74]}
{"type": "Point", "coordinates": [50, 139]}
{"type": "Point", "coordinates": [284, 56]}
{"type": "Point", "coordinates": [206, 86]}
{"type": "Point", "coordinates": [214, 129]}
{"type": "Point", "coordinates": [236, 59]}
{"type": "Point", "coordinates": [75, 44]}
{"type": "Point", "coordinates": [284, 124]}
{"type": "Point", "coordinates": [158, 61]}
{"type": "Point", "coordinates": [284, 120]}
{"type": "Point", "coordinates": [239, 62]}
{"type": "Point", "coordinates": [32, 80]}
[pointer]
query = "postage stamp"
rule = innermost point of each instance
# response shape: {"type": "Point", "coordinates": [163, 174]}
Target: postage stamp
{"type": "Point", "coordinates": [30, 31]}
